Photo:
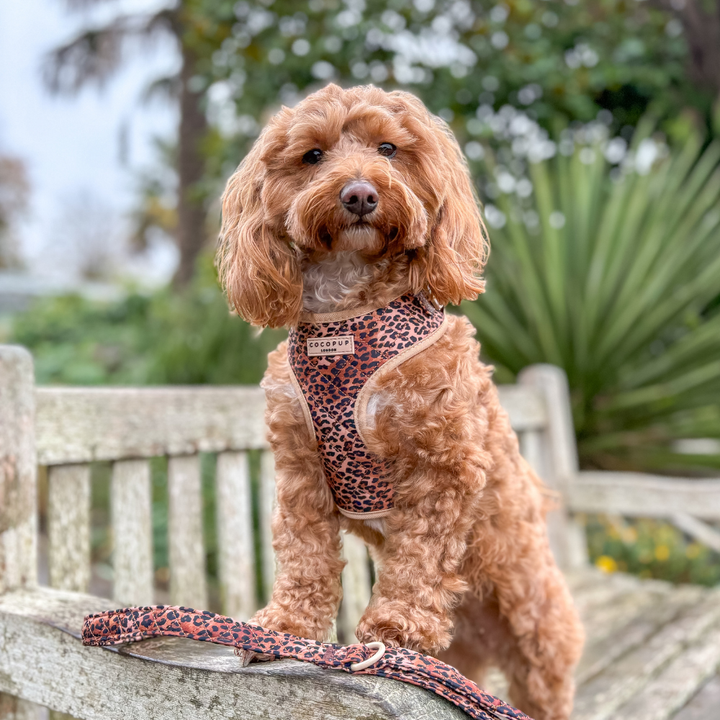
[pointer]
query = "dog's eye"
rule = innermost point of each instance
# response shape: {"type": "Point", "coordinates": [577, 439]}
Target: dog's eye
{"type": "Point", "coordinates": [312, 157]}
{"type": "Point", "coordinates": [387, 149]}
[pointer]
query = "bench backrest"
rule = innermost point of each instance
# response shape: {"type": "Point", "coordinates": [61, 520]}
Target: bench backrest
{"type": "Point", "coordinates": [75, 427]}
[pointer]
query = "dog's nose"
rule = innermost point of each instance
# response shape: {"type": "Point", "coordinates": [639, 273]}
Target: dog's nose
{"type": "Point", "coordinates": [359, 197]}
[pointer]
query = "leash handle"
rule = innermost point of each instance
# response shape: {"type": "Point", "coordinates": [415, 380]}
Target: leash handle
{"type": "Point", "coordinates": [139, 623]}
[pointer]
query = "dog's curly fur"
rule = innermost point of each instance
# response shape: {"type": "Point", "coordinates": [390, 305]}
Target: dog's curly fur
{"type": "Point", "coordinates": [466, 545]}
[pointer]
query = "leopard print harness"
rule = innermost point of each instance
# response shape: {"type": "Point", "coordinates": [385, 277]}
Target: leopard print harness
{"type": "Point", "coordinates": [138, 623]}
{"type": "Point", "coordinates": [333, 356]}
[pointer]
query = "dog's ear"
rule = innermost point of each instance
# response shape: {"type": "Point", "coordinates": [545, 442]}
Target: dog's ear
{"type": "Point", "coordinates": [257, 267]}
{"type": "Point", "coordinates": [452, 260]}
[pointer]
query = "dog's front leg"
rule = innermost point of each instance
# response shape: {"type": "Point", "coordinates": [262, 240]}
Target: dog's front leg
{"type": "Point", "coordinates": [306, 540]}
{"type": "Point", "coordinates": [418, 583]}
{"type": "Point", "coordinates": [306, 527]}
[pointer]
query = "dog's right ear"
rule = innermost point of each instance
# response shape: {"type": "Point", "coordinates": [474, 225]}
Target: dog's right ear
{"type": "Point", "coordinates": [257, 267]}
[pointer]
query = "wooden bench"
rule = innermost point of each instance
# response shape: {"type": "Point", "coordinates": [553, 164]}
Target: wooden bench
{"type": "Point", "coordinates": [652, 650]}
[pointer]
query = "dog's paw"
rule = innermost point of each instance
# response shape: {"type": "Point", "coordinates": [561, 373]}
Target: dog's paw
{"type": "Point", "coordinates": [398, 625]}
{"type": "Point", "coordinates": [248, 656]}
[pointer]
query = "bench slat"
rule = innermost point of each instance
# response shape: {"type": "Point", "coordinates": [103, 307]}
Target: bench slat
{"type": "Point", "coordinates": [43, 661]}
{"type": "Point", "coordinates": [704, 704]}
{"type": "Point", "coordinates": [615, 630]}
{"type": "Point", "coordinates": [76, 425]}
{"type": "Point", "coordinates": [600, 698]}
{"type": "Point", "coordinates": [185, 542]}
{"type": "Point", "coordinates": [235, 535]}
{"type": "Point", "coordinates": [678, 682]}
{"type": "Point", "coordinates": [636, 494]}
{"type": "Point", "coordinates": [83, 424]}
{"type": "Point", "coordinates": [131, 506]}
{"type": "Point", "coordinates": [267, 504]}
{"type": "Point", "coordinates": [356, 585]}
{"type": "Point", "coordinates": [69, 527]}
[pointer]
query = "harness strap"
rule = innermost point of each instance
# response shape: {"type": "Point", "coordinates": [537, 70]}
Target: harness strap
{"type": "Point", "coordinates": [138, 623]}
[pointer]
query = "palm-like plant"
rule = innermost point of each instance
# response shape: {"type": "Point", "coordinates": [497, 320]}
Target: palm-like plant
{"type": "Point", "coordinates": [617, 282]}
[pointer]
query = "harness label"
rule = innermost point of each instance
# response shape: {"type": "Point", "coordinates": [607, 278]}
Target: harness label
{"type": "Point", "coordinates": [338, 345]}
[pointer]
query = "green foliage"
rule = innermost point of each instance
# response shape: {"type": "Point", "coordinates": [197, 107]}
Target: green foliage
{"type": "Point", "coordinates": [614, 280]}
{"type": "Point", "coordinates": [650, 548]}
{"type": "Point", "coordinates": [163, 338]}
{"type": "Point", "coordinates": [561, 61]}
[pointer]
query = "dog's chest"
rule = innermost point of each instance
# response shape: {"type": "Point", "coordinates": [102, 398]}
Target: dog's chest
{"type": "Point", "coordinates": [333, 357]}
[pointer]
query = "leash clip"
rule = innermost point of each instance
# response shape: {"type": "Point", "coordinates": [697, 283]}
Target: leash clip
{"type": "Point", "coordinates": [372, 660]}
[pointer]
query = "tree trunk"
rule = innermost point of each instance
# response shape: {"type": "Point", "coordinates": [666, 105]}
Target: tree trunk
{"type": "Point", "coordinates": [701, 21]}
{"type": "Point", "coordinates": [191, 215]}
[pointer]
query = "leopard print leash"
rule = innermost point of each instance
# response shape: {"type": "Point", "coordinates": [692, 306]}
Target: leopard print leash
{"type": "Point", "coordinates": [138, 623]}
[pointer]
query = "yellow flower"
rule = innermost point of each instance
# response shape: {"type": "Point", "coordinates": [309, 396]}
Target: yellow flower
{"type": "Point", "coordinates": [662, 553]}
{"type": "Point", "coordinates": [693, 550]}
{"type": "Point", "coordinates": [606, 564]}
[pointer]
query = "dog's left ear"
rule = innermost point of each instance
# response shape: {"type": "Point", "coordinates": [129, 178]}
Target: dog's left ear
{"type": "Point", "coordinates": [257, 267]}
{"type": "Point", "coordinates": [458, 246]}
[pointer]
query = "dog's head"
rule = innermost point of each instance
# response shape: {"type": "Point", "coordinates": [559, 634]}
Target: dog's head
{"type": "Point", "coordinates": [358, 169]}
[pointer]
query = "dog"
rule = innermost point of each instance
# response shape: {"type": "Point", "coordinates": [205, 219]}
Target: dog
{"type": "Point", "coordinates": [353, 221]}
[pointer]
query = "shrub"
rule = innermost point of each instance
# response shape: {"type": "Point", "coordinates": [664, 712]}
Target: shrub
{"type": "Point", "coordinates": [616, 280]}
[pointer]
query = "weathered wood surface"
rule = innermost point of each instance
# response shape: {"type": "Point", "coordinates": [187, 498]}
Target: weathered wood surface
{"type": "Point", "coordinates": [18, 468]}
{"type": "Point", "coordinates": [668, 646]}
{"type": "Point", "coordinates": [235, 535]}
{"type": "Point", "coordinates": [131, 508]}
{"type": "Point", "coordinates": [679, 629]}
{"type": "Point", "coordinates": [705, 704]}
{"type": "Point", "coordinates": [697, 529]}
{"type": "Point", "coordinates": [178, 680]}
{"type": "Point", "coordinates": [69, 527]}
{"type": "Point", "coordinates": [554, 458]}
{"type": "Point", "coordinates": [84, 424]}
{"type": "Point", "coordinates": [267, 505]}
{"type": "Point", "coordinates": [186, 549]}
{"type": "Point", "coordinates": [639, 495]}
{"type": "Point", "coordinates": [76, 425]}
{"type": "Point", "coordinates": [18, 533]}
{"type": "Point", "coordinates": [356, 584]}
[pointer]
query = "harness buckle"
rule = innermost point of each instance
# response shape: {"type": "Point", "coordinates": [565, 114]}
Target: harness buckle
{"type": "Point", "coordinates": [372, 660]}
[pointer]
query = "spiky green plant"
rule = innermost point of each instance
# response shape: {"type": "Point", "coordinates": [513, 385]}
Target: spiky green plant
{"type": "Point", "coordinates": [617, 281]}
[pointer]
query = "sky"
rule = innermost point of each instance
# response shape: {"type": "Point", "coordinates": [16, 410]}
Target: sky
{"type": "Point", "coordinates": [71, 145]}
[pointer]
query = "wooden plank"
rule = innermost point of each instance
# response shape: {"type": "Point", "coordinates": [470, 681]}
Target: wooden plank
{"type": "Point", "coordinates": [605, 589]}
{"type": "Point", "coordinates": [76, 425]}
{"type": "Point", "coordinates": [357, 585]}
{"type": "Point", "coordinates": [69, 527]}
{"type": "Point", "coordinates": [235, 535]}
{"type": "Point", "coordinates": [18, 489]}
{"type": "Point", "coordinates": [12, 708]}
{"type": "Point", "coordinates": [18, 470]}
{"type": "Point", "coordinates": [697, 529]}
{"type": "Point", "coordinates": [84, 424]}
{"type": "Point", "coordinates": [172, 679]}
{"type": "Point", "coordinates": [678, 682]}
{"type": "Point", "coordinates": [601, 619]}
{"type": "Point", "coordinates": [131, 506]}
{"type": "Point", "coordinates": [567, 536]}
{"type": "Point", "coordinates": [267, 505]}
{"type": "Point", "coordinates": [600, 698]}
{"type": "Point", "coordinates": [704, 705]}
{"type": "Point", "coordinates": [636, 494]}
{"type": "Point", "coordinates": [531, 448]}
{"type": "Point", "coordinates": [525, 406]}
{"type": "Point", "coordinates": [188, 585]}
{"type": "Point", "coordinates": [618, 629]}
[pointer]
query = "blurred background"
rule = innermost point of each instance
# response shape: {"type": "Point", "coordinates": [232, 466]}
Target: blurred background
{"type": "Point", "coordinates": [592, 129]}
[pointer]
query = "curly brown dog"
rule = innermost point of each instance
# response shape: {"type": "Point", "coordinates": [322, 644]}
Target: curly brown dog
{"type": "Point", "coordinates": [348, 201]}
